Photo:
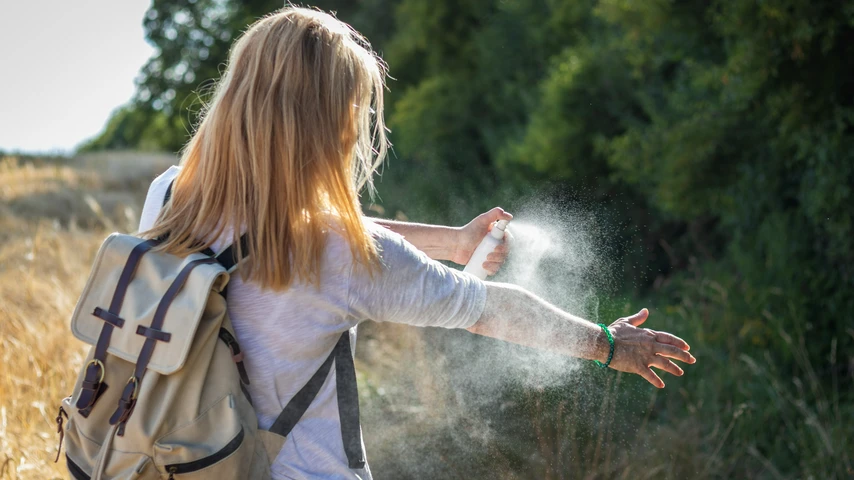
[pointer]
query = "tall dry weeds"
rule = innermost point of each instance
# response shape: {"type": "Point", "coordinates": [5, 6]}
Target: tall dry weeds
{"type": "Point", "coordinates": [53, 215]}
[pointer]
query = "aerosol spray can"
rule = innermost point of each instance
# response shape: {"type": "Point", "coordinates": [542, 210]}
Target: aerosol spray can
{"type": "Point", "coordinates": [487, 245]}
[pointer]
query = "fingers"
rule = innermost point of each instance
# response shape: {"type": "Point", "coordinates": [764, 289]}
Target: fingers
{"type": "Point", "coordinates": [494, 215]}
{"type": "Point", "coordinates": [496, 259]}
{"type": "Point", "coordinates": [638, 318]}
{"type": "Point", "coordinates": [492, 267]}
{"type": "Point", "coordinates": [500, 214]}
{"type": "Point", "coordinates": [666, 338]}
{"type": "Point", "coordinates": [672, 352]}
{"type": "Point", "coordinates": [667, 366]}
{"type": "Point", "coordinates": [501, 250]}
{"type": "Point", "coordinates": [651, 377]}
{"type": "Point", "coordinates": [497, 255]}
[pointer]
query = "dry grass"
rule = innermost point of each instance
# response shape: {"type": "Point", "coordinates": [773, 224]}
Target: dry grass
{"type": "Point", "coordinates": [53, 215]}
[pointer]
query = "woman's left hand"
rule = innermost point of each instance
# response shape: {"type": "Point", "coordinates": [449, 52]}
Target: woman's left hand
{"type": "Point", "coordinates": [637, 349]}
{"type": "Point", "coordinates": [470, 236]}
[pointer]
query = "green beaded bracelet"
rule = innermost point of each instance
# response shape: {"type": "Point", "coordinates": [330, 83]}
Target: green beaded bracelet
{"type": "Point", "coordinates": [611, 349]}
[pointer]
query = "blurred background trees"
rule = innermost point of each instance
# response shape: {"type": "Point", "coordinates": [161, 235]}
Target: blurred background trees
{"type": "Point", "coordinates": [714, 139]}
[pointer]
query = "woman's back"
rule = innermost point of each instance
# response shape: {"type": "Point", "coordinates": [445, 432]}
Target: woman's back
{"type": "Point", "coordinates": [287, 335]}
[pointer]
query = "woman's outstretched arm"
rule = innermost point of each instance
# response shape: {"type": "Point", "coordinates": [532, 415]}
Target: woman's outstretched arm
{"type": "Point", "coordinates": [515, 315]}
{"type": "Point", "coordinates": [455, 244]}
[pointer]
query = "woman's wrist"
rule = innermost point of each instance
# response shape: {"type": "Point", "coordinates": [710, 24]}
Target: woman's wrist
{"type": "Point", "coordinates": [603, 346]}
{"type": "Point", "coordinates": [439, 242]}
{"type": "Point", "coordinates": [609, 346]}
{"type": "Point", "coordinates": [445, 243]}
{"type": "Point", "coordinates": [456, 246]}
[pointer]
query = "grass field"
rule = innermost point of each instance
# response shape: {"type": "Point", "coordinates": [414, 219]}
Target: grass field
{"type": "Point", "coordinates": [53, 215]}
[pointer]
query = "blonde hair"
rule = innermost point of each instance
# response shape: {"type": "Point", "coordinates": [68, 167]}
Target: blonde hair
{"type": "Point", "coordinates": [292, 134]}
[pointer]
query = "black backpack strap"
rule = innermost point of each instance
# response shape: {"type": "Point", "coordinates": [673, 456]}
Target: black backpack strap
{"type": "Point", "coordinates": [168, 193]}
{"type": "Point", "coordinates": [348, 401]}
{"type": "Point", "coordinates": [228, 257]}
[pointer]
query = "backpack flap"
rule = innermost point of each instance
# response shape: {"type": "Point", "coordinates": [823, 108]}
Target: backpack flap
{"type": "Point", "coordinates": [148, 291]}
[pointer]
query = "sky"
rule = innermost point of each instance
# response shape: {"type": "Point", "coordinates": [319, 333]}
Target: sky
{"type": "Point", "coordinates": [64, 67]}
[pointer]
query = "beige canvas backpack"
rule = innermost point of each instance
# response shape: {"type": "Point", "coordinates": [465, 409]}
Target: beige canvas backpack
{"type": "Point", "coordinates": [162, 393]}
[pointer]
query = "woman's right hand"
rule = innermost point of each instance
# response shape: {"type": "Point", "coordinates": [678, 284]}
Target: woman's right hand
{"type": "Point", "coordinates": [637, 349]}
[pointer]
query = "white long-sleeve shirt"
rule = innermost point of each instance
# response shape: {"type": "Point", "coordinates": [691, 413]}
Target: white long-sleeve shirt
{"type": "Point", "coordinates": [287, 335]}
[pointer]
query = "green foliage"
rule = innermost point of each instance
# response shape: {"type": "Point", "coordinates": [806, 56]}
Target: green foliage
{"type": "Point", "coordinates": [132, 128]}
{"type": "Point", "coordinates": [192, 38]}
{"type": "Point", "coordinates": [752, 131]}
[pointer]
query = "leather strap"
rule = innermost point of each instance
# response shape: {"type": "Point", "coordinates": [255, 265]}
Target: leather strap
{"type": "Point", "coordinates": [153, 334]}
{"type": "Point", "coordinates": [109, 317]}
{"type": "Point", "coordinates": [129, 394]}
{"type": "Point", "coordinates": [236, 354]}
{"type": "Point", "coordinates": [95, 370]}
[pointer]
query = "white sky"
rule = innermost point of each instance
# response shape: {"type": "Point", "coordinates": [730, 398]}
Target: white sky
{"type": "Point", "coordinates": [65, 65]}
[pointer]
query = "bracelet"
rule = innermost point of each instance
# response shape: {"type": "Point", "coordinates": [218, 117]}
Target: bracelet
{"type": "Point", "coordinates": [611, 350]}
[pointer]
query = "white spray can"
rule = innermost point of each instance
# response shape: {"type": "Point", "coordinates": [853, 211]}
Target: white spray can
{"type": "Point", "coordinates": [487, 245]}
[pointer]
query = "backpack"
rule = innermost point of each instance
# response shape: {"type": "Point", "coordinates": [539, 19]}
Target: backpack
{"type": "Point", "coordinates": [162, 393]}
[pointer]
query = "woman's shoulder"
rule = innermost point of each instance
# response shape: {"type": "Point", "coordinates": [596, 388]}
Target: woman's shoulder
{"type": "Point", "coordinates": [387, 241]}
{"type": "Point", "coordinates": [166, 177]}
{"type": "Point", "coordinates": [157, 189]}
{"type": "Point", "coordinates": [391, 246]}
{"type": "Point", "coordinates": [154, 198]}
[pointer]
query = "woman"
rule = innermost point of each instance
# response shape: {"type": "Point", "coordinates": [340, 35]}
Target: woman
{"type": "Point", "coordinates": [294, 131]}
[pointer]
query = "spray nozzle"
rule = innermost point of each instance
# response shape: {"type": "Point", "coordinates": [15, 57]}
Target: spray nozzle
{"type": "Point", "coordinates": [498, 228]}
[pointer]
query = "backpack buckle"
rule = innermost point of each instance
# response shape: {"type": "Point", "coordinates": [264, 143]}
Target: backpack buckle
{"type": "Point", "coordinates": [135, 391]}
{"type": "Point", "coordinates": [91, 389]}
{"type": "Point", "coordinates": [126, 404]}
{"type": "Point", "coordinates": [97, 363]}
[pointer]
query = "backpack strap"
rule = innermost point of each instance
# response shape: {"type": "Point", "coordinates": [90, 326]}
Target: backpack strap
{"type": "Point", "coordinates": [228, 257]}
{"type": "Point", "coordinates": [348, 401]}
{"type": "Point", "coordinates": [93, 385]}
{"type": "Point", "coordinates": [168, 193]}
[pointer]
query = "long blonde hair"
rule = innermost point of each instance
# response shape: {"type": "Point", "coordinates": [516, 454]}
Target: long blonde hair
{"type": "Point", "coordinates": [292, 134]}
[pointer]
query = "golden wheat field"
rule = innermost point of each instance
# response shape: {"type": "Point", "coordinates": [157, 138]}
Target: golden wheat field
{"type": "Point", "coordinates": [53, 215]}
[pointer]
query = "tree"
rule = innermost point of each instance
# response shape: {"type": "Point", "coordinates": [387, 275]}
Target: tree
{"type": "Point", "coordinates": [192, 39]}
